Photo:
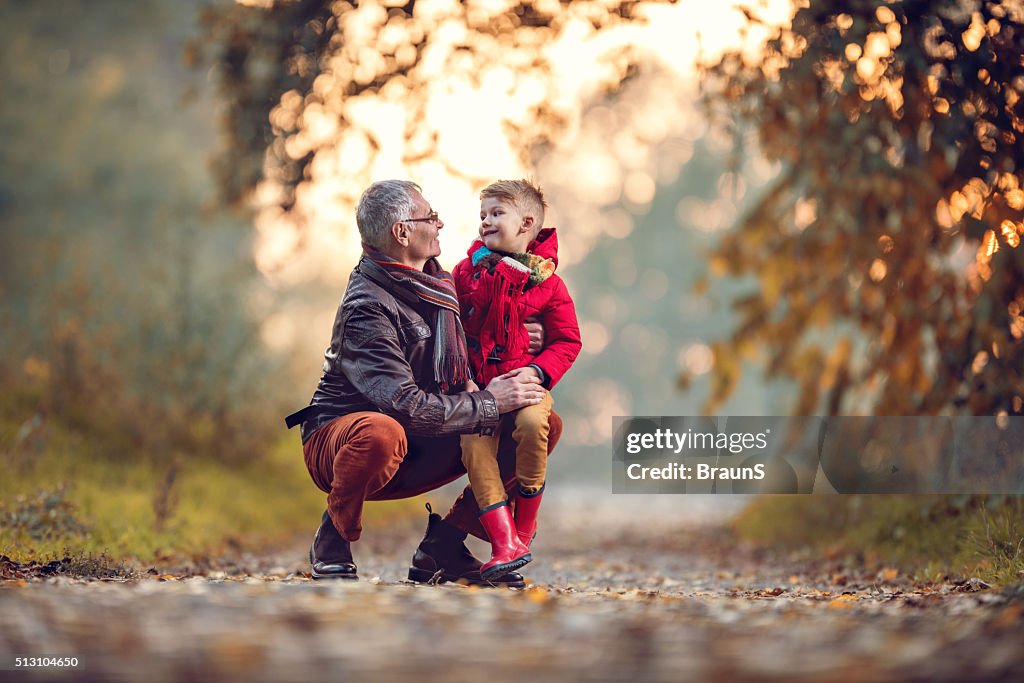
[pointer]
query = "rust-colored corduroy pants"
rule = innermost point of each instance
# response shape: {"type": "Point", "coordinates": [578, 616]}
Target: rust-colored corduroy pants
{"type": "Point", "coordinates": [367, 456]}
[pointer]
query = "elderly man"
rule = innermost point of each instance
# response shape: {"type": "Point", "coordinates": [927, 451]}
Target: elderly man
{"type": "Point", "coordinates": [385, 420]}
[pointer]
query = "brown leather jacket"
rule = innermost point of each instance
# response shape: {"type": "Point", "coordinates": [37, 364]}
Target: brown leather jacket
{"type": "Point", "coordinates": [381, 358]}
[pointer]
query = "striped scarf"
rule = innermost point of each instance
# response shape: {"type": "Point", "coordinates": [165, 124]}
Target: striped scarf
{"type": "Point", "coordinates": [436, 287]}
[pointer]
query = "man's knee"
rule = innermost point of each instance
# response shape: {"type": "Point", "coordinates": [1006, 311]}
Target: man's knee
{"type": "Point", "coordinates": [377, 435]}
{"type": "Point", "coordinates": [554, 430]}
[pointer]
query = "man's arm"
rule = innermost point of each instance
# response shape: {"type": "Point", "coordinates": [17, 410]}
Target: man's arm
{"type": "Point", "coordinates": [373, 361]}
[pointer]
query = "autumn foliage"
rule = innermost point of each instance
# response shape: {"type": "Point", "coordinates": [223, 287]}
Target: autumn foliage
{"type": "Point", "coordinates": [890, 276]}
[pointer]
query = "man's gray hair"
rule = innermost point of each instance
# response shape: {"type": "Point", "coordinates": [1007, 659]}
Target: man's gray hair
{"type": "Point", "coordinates": [383, 204]}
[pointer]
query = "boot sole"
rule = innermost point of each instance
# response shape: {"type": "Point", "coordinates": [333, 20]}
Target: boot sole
{"type": "Point", "coordinates": [499, 569]}
{"type": "Point", "coordinates": [418, 575]}
{"type": "Point", "coordinates": [337, 577]}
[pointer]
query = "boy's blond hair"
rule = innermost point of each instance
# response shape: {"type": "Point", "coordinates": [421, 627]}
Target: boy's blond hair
{"type": "Point", "coordinates": [526, 197]}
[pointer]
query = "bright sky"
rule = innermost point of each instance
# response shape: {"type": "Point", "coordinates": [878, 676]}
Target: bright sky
{"type": "Point", "coordinates": [603, 161]}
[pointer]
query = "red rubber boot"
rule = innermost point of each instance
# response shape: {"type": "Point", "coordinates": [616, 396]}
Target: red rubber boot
{"type": "Point", "coordinates": [507, 552]}
{"type": "Point", "coordinates": [526, 516]}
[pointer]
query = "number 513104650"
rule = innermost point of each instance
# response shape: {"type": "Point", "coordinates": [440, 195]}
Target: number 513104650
{"type": "Point", "coordinates": [45, 661]}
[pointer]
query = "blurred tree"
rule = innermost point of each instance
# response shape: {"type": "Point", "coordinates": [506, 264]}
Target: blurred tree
{"type": "Point", "coordinates": [126, 289]}
{"type": "Point", "coordinates": [289, 71]}
{"type": "Point", "coordinates": [890, 277]}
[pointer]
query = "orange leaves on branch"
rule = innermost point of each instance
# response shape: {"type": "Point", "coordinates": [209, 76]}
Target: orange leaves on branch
{"type": "Point", "coordinates": [903, 131]}
{"type": "Point", "coordinates": [1011, 232]}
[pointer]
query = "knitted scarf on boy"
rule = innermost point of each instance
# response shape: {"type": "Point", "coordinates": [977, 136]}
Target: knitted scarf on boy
{"type": "Point", "coordinates": [540, 268]}
{"type": "Point", "coordinates": [502, 317]}
{"type": "Point", "coordinates": [436, 287]}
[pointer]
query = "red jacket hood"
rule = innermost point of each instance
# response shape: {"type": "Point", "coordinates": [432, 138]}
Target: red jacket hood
{"type": "Point", "coordinates": [545, 245]}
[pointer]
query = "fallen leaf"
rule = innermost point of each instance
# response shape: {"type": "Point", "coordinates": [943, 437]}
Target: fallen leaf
{"type": "Point", "coordinates": [832, 552]}
{"type": "Point", "coordinates": [845, 600]}
{"type": "Point", "coordinates": [840, 603]}
{"type": "Point", "coordinates": [970, 585]}
{"type": "Point", "coordinates": [1009, 616]}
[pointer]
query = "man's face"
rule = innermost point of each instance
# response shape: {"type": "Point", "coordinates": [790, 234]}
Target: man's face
{"type": "Point", "coordinates": [423, 235]}
{"type": "Point", "coordinates": [502, 227]}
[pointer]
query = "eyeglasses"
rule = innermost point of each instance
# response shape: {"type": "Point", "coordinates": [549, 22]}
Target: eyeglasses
{"type": "Point", "coordinates": [430, 218]}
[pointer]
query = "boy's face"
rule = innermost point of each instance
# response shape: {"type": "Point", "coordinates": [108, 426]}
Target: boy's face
{"type": "Point", "coordinates": [503, 227]}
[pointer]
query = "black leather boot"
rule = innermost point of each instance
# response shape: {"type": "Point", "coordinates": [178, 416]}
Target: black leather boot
{"type": "Point", "coordinates": [443, 556]}
{"type": "Point", "coordinates": [330, 554]}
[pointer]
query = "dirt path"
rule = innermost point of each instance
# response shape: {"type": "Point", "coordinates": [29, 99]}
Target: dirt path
{"type": "Point", "coordinates": [636, 591]}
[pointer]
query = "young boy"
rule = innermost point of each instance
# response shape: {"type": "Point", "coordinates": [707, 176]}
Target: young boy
{"type": "Point", "coordinates": [509, 277]}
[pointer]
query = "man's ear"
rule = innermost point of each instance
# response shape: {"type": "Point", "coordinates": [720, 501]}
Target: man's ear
{"type": "Point", "coordinates": [400, 231]}
{"type": "Point", "coordinates": [527, 226]}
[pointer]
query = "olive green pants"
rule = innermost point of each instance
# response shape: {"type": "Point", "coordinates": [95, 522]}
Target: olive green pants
{"type": "Point", "coordinates": [480, 454]}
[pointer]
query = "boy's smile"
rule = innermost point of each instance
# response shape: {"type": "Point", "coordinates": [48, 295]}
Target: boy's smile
{"type": "Point", "coordinates": [503, 227]}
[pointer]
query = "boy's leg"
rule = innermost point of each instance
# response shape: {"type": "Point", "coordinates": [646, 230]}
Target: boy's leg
{"type": "Point", "coordinates": [531, 437]}
{"type": "Point", "coordinates": [464, 511]}
{"type": "Point", "coordinates": [480, 457]}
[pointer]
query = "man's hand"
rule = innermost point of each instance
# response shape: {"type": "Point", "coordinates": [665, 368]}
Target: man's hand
{"type": "Point", "coordinates": [471, 386]}
{"type": "Point", "coordinates": [536, 332]}
{"type": "Point", "coordinates": [524, 374]}
{"type": "Point", "coordinates": [513, 391]}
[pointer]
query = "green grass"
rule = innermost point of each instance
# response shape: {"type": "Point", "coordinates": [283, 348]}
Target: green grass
{"type": "Point", "coordinates": [931, 537]}
{"type": "Point", "coordinates": [65, 498]}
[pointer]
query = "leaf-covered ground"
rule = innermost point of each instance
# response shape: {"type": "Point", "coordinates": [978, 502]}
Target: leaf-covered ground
{"type": "Point", "coordinates": [624, 588]}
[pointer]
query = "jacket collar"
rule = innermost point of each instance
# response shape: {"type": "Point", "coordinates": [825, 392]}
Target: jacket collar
{"type": "Point", "coordinates": [379, 276]}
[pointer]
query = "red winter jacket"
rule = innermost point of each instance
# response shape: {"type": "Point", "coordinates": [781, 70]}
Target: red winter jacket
{"type": "Point", "coordinates": [496, 297]}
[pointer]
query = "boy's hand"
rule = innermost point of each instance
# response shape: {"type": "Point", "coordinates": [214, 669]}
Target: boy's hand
{"type": "Point", "coordinates": [536, 333]}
